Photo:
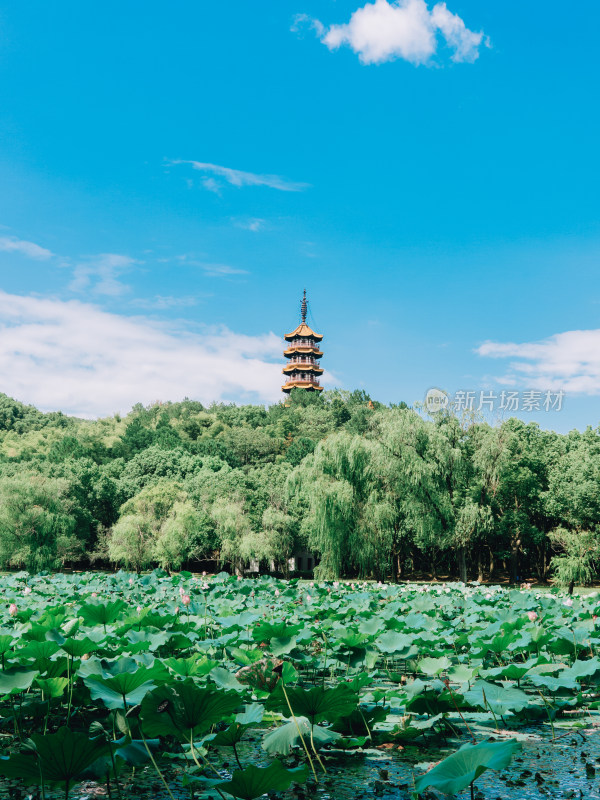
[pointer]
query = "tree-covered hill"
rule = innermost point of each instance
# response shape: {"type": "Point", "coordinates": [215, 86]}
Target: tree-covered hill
{"type": "Point", "coordinates": [373, 491]}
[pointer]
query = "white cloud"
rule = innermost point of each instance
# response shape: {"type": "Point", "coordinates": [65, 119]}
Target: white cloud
{"type": "Point", "coordinates": [160, 301]}
{"type": "Point", "coordinates": [210, 184]}
{"type": "Point", "coordinates": [569, 361]}
{"type": "Point", "coordinates": [303, 20]}
{"type": "Point", "coordinates": [254, 224]}
{"type": "Point", "coordinates": [221, 270]}
{"type": "Point", "coordinates": [237, 177]}
{"type": "Point", "coordinates": [464, 42]}
{"type": "Point", "coordinates": [100, 274]}
{"type": "Point", "coordinates": [10, 244]}
{"type": "Point", "coordinates": [383, 31]}
{"type": "Point", "coordinates": [77, 358]}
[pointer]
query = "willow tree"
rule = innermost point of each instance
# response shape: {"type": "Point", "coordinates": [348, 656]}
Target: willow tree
{"type": "Point", "coordinates": [186, 533]}
{"type": "Point", "coordinates": [232, 525]}
{"type": "Point", "coordinates": [517, 499]}
{"type": "Point", "coordinates": [579, 552]}
{"type": "Point", "coordinates": [422, 465]}
{"type": "Point", "coordinates": [274, 543]}
{"type": "Point", "coordinates": [131, 541]}
{"type": "Point", "coordinates": [37, 526]}
{"type": "Point", "coordinates": [441, 491]}
{"type": "Point", "coordinates": [349, 510]}
{"type": "Point", "coordinates": [278, 533]}
{"type": "Point", "coordinates": [573, 497]}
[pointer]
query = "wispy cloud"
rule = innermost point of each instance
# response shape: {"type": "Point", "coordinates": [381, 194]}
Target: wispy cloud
{"type": "Point", "coordinates": [383, 31]}
{"type": "Point", "coordinates": [254, 224]}
{"type": "Point", "coordinates": [78, 358]}
{"type": "Point", "coordinates": [209, 268]}
{"type": "Point", "coordinates": [210, 184]}
{"type": "Point", "coordinates": [239, 178]}
{"type": "Point", "coordinates": [100, 274]}
{"type": "Point", "coordinates": [162, 302]}
{"type": "Point", "coordinates": [220, 270]}
{"type": "Point", "coordinates": [10, 244]}
{"type": "Point", "coordinates": [568, 361]}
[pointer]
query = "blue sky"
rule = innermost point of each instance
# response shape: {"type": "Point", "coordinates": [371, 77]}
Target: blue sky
{"type": "Point", "coordinates": [172, 177]}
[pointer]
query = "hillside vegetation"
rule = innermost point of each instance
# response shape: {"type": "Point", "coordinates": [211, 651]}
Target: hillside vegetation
{"type": "Point", "coordinates": [373, 491]}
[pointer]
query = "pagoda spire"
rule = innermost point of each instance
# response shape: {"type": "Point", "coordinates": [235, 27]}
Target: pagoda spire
{"type": "Point", "coordinates": [303, 352]}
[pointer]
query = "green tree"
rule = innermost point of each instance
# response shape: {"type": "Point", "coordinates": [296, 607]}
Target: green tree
{"type": "Point", "coordinates": [299, 448]}
{"type": "Point", "coordinates": [232, 525]}
{"type": "Point", "coordinates": [185, 534]}
{"type": "Point", "coordinates": [350, 514]}
{"type": "Point", "coordinates": [579, 553]}
{"type": "Point", "coordinates": [518, 501]}
{"type": "Point", "coordinates": [36, 523]}
{"type": "Point", "coordinates": [131, 542]}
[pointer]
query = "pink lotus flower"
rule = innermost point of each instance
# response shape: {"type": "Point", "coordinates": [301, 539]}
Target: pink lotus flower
{"type": "Point", "coordinates": [204, 574]}
{"type": "Point", "coordinates": [488, 596]}
{"type": "Point", "coordinates": [139, 609]}
{"type": "Point", "coordinates": [131, 581]}
{"type": "Point", "coordinates": [336, 584]}
{"type": "Point", "coordinates": [532, 616]}
{"type": "Point", "coordinates": [94, 594]}
{"type": "Point", "coordinates": [12, 609]}
{"type": "Point", "coordinates": [26, 590]}
{"type": "Point", "coordinates": [276, 592]}
{"type": "Point", "coordinates": [594, 617]}
{"type": "Point", "coordinates": [568, 602]}
{"type": "Point", "coordinates": [186, 599]}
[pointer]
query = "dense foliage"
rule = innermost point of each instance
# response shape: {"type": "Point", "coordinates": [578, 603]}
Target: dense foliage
{"type": "Point", "coordinates": [222, 687]}
{"type": "Point", "coordinates": [372, 491]}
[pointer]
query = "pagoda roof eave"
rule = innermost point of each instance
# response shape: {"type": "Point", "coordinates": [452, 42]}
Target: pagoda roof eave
{"type": "Point", "coordinates": [303, 368]}
{"type": "Point", "coordinates": [304, 331]}
{"type": "Point", "coordinates": [287, 387]}
{"type": "Point", "coordinates": [303, 351]}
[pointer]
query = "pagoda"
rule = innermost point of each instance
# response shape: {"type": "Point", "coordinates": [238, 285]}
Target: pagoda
{"type": "Point", "coordinates": [302, 352]}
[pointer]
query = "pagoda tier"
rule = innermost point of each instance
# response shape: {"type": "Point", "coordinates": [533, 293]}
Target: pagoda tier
{"type": "Point", "coordinates": [303, 354]}
{"type": "Point", "coordinates": [306, 366]}
{"type": "Point", "coordinates": [302, 348]}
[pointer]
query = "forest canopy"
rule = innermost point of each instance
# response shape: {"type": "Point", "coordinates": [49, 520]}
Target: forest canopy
{"type": "Point", "coordinates": [372, 491]}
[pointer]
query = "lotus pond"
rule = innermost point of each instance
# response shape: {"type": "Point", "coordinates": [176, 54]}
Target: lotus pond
{"type": "Point", "coordinates": [158, 686]}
